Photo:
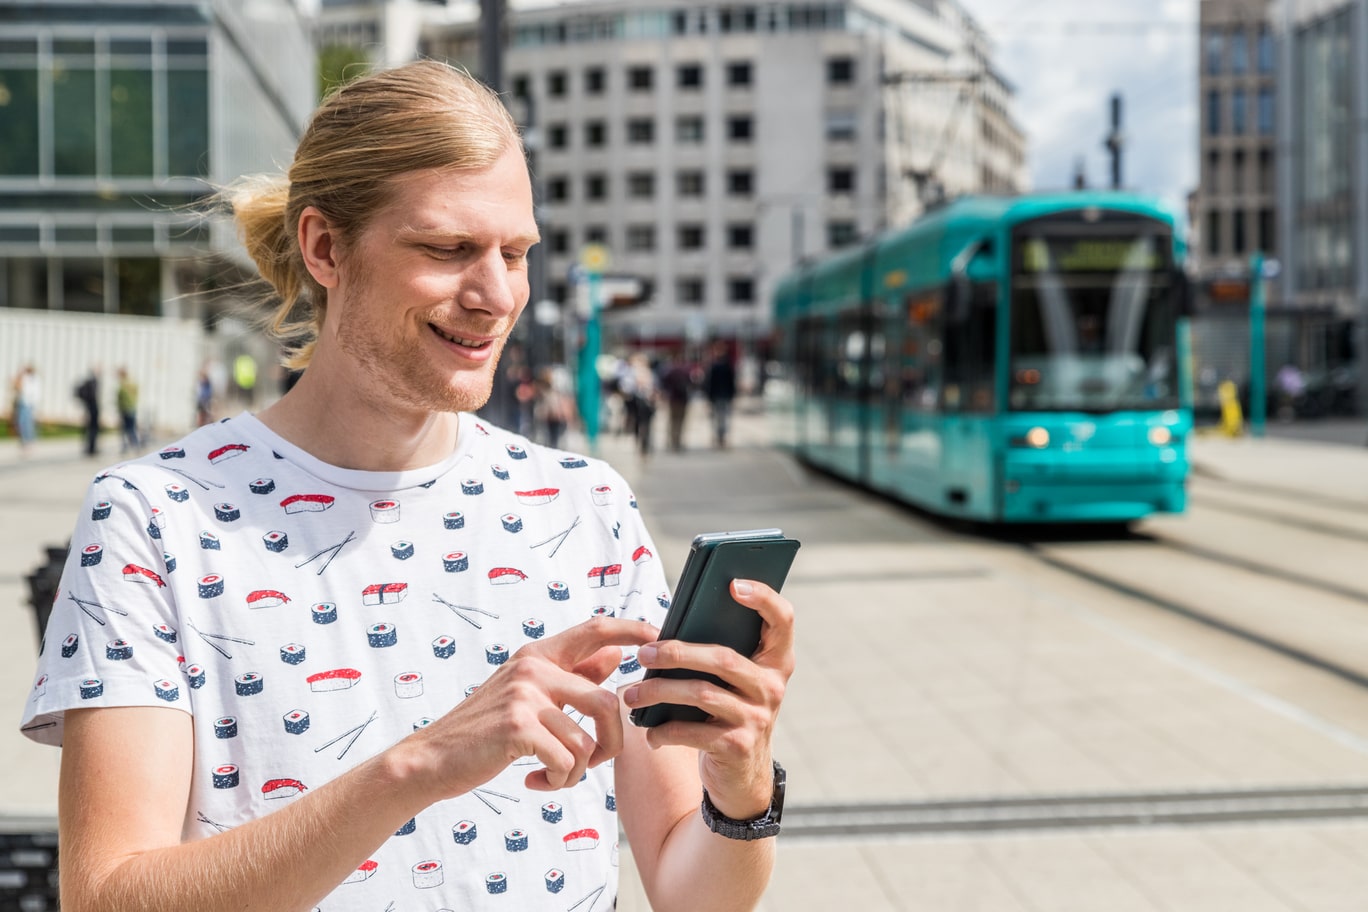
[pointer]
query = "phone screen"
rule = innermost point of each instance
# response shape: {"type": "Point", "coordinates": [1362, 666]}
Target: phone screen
{"type": "Point", "coordinates": [703, 610]}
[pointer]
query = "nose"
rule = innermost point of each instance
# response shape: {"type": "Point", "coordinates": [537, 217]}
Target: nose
{"type": "Point", "coordinates": [493, 286]}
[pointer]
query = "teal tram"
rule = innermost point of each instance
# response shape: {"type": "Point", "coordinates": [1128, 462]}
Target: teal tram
{"type": "Point", "coordinates": [1001, 360]}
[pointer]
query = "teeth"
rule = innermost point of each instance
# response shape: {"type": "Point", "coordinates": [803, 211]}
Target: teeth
{"type": "Point", "coordinates": [464, 343]}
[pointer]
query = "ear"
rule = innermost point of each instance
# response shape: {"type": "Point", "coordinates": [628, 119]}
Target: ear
{"type": "Point", "coordinates": [317, 244]}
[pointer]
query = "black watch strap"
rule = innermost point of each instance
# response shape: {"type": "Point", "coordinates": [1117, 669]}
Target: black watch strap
{"type": "Point", "coordinates": [762, 827]}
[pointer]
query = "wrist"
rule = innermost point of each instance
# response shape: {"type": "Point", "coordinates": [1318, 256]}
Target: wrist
{"type": "Point", "coordinates": [759, 825]}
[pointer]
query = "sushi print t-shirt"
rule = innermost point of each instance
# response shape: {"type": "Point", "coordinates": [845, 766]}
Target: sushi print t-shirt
{"type": "Point", "coordinates": [309, 617]}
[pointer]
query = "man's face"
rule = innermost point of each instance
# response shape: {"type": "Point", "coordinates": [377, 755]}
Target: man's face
{"type": "Point", "coordinates": [429, 292]}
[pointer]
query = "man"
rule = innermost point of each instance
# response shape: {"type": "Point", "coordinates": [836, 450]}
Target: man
{"type": "Point", "coordinates": [127, 400]}
{"type": "Point", "coordinates": [392, 631]}
{"type": "Point", "coordinates": [719, 385]}
{"type": "Point", "coordinates": [88, 392]}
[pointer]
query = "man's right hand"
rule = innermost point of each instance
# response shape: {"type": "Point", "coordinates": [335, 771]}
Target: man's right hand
{"type": "Point", "coordinates": [520, 711]}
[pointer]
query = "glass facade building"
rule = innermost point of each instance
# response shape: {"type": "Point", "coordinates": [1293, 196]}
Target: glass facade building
{"type": "Point", "coordinates": [118, 118]}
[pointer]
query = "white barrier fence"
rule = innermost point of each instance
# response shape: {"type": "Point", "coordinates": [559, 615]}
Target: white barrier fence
{"type": "Point", "coordinates": [163, 357]}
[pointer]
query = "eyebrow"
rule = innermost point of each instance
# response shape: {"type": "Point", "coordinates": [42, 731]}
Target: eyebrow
{"type": "Point", "coordinates": [446, 234]}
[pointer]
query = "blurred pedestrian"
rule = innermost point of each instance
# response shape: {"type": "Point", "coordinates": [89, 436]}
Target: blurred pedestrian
{"type": "Point", "coordinates": [88, 391]}
{"type": "Point", "coordinates": [639, 385]}
{"type": "Point", "coordinates": [676, 386]}
{"type": "Point", "coordinates": [555, 407]}
{"type": "Point", "coordinates": [26, 391]}
{"type": "Point", "coordinates": [127, 399]}
{"type": "Point", "coordinates": [204, 398]}
{"type": "Point", "coordinates": [719, 385]}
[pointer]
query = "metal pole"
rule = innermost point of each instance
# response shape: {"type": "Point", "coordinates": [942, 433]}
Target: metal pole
{"type": "Point", "coordinates": [491, 43]}
{"type": "Point", "coordinates": [1258, 406]}
{"type": "Point", "coordinates": [588, 381]}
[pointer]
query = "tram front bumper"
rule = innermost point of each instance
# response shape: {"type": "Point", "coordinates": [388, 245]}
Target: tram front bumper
{"type": "Point", "coordinates": [1100, 487]}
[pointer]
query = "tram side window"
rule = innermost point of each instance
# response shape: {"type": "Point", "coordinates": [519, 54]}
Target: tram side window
{"type": "Point", "coordinates": [918, 363]}
{"type": "Point", "coordinates": [810, 358]}
{"type": "Point", "coordinates": [970, 335]}
{"type": "Point", "coordinates": [849, 352]}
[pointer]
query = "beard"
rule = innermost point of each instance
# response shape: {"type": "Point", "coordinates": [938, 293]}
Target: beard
{"type": "Point", "coordinates": [397, 373]}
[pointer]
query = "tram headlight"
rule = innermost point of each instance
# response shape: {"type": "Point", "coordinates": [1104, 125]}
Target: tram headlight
{"type": "Point", "coordinates": [1160, 436]}
{"type": "Point", "coordinates": [1037, 437]}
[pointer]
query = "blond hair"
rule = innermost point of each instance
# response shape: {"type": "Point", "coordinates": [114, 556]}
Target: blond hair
{"type": "Point", "coordinates": [423, 115]}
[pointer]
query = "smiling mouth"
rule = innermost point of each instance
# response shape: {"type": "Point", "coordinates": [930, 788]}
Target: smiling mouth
{"type": "Point", "coordinates": [457, 340]}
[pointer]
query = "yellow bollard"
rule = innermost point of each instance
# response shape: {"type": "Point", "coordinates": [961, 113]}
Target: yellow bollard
{"type": "Point", "coordinates": [1232, 419]}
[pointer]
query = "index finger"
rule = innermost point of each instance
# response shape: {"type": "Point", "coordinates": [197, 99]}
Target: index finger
{"type": "Point", "coordinates": [570, 647]}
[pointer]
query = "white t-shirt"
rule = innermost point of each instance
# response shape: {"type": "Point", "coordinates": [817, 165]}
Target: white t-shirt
{"type": "Point", "coordinates": [309, 617]}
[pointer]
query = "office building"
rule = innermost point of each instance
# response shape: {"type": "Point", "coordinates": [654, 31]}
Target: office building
{"type": "Point", "coordinates": [707, 147]}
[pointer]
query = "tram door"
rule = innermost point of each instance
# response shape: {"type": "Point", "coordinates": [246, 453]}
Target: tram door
{"type": "Point", "coordinates": [968, 403]}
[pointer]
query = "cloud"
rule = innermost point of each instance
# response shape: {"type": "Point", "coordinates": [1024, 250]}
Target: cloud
{"type": "Point", "coordinates": [1067, 57]}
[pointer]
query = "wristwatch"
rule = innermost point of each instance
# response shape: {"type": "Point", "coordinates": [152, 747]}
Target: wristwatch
{"type": "Point", "coordinates": [762, 827]}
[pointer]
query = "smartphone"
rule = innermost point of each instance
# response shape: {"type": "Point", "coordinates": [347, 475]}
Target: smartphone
{"type": "Point", "coordinates": [703, 610]}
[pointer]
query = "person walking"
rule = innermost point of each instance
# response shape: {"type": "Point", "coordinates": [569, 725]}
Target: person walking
{"type": "Point", "coordinates": [677, 387]}
{"type": "Point", "coordinates": [88, 391]}
{"type": "Point", "coordinates": [27, 390]}
{"type": "Point", "coordinates": [126, 398]}
{"type": "Point", "coordinates": [354, 637]}
{"type": "Point", "coordinates": [719, 386]}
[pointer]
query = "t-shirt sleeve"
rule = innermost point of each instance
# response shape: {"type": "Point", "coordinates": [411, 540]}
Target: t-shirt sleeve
{"type": "Point", "coordinates": [112, 637]}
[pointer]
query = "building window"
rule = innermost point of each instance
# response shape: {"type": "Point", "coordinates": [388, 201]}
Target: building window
{"type": "Point", "coordinates": [740, 129]}
{"type": "Point", "coordinates": [640, 131]}
{"type": "Point", "coordinates": [1239, 109]}
{"type": "Point", "coordinates": [1239, 51]}
{"type": "Point", "coordinates": [689, 129]}
{"type": "Point", "coordinates": [690, 292]}
{"type": "Point", "coordinates": [595, 80]}
{"type": "Point", "coordinates": [1267, 50]}
{"type": "Point", "coordinates": [1268, 237]}
{"type": "Point", "coordinates": [840, 125]}
{"type": "Point", "coordinates": [559, 240]}
{"type": "Point", "coordinates": [841, 234]}
{"type": "Point", "coordinates": [739, 73]}
{"type": "Point", "coordinates": [640, 78]}
{"type": "Point", "coordinates": [689, 183]}
{"type": "Point", "coordinates": [595, 234]}
{"type": "Point", "coordinates": [1213, 50]}
{"type": "Point", "coordinates": [557, 136]}
{"type": "Point", "coordinates": [557, 189]}
{"type": "Point", "coordinates": [1238, 232]}
{"type": "Point", "coordinates": [741, 290]}
{"type": "Point", "coordinates": [1212, 176]}
{"type": "Point", "coordinates": [596, 187]}
{"type": "Point", "coordinates": [1213, 113]}
{"type": "Point", "coordinates": [689, 76]}
{"type": "Point", "coordinates": [1237, 172]}
{"type": "Point", "coordinates": [595, 134]}
{"type": "Point", "coordinates": [641, 184]}
{"type": "Point", "coordinates": [1267, 112]}
{"type": "Point", "coordinates": [691, 237]}
{"type": "Point", "coordinates": [641, 238]}
{"type": "Point", "coordinates": [1213, 233]}
{"type": "Point", "coordinates": [840, 71]}
{"type": "Point", "coordinates": [1266, 180]}
{"type": "Point", "coordinates": [555, 83]}
{"type": "Point", "coordinates": [740, 182]}
{"type": "Point", "coordinates": [740, 236]}
{"type": "Point", "coordinates": [521, 86]}
{"type": "Point", "coordinates": [841, 180]}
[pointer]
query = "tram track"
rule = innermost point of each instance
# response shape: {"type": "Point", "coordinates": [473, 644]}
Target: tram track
{"type": "Point", "coordinates": [1074, 811]}
{"type": "Point", "coordinates": [1331, 614]}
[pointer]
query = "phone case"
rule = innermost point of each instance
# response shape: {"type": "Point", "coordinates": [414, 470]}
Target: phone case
{"type": "Point", "coordinates": [703, 610]}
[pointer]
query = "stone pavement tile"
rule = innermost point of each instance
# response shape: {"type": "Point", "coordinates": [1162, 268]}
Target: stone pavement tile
{"type": "Point", "coordinates": [1064, 873]}
{"type": "Point", "coordinates": [1299, 865]}
{"type": "Point", "coordinates": [1181, 869]}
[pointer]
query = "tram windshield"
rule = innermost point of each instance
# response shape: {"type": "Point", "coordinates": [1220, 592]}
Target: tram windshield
{"type": "Point", "coordinates": [1092, 321]}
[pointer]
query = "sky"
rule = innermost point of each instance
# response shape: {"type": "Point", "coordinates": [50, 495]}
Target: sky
{"type": "Point", "coordinates": [1066, 58]}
